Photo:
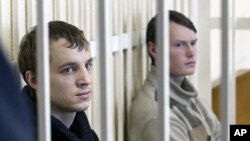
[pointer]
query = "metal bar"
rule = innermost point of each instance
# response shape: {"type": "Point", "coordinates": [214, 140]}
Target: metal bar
{"type": "Point", "coordinates": [105, 60]}
{"type": "Point", "coordinates": [43, 92]}
{"type": "Point", "coordinates": [129, 70]}
{"type": "Point", "coordinates": [163, 70]}
{"type": "Point", "coordinates": [119, 71]}
{"type": "Point", "coordinates": [227, 86]}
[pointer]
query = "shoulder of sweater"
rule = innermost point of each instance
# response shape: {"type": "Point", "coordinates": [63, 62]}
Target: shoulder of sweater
{"type": "Point", "coordinates": [143, 106]}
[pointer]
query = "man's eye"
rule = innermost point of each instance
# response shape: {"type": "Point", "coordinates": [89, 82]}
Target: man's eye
{"type": "Point", "coordinates": [88, 66]}
{"type": "Point", "coordinates": [193, 44]}
{"type": "Point", "coordinates": [68, 70]}
{"type": "Point", "coordinates": [179, 45]}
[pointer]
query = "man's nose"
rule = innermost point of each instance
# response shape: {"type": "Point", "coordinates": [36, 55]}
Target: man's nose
{"type": "Point", "coordinates": [190, 50]}
{"type": "Point", "coordinates": [83, 77]}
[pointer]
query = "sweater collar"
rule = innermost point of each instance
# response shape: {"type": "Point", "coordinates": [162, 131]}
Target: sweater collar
{"type": "Point", "coordinates": [79, 131]}
{"type": "Point", "coordinates": [183, 93]}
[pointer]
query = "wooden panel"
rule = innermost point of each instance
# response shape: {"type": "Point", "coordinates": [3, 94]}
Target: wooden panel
{"type": "Point", "coordinates": [242, 98]}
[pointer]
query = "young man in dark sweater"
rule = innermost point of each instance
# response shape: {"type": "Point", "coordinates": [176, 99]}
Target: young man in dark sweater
{"type": "Point", "coordinates": [70, 80]}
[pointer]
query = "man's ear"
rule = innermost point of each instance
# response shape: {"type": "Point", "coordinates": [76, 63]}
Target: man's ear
{"type": "Point", "coordinates": [152, 49]}
{"type": "Point", "coordinates": [31, 79]}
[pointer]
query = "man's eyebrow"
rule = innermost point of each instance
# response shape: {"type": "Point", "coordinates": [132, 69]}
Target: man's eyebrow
{"type": "Point", "coordinates": [90, 60]}
{"type": "Point", "coordinates": [73, 63]}
{"type": "Point", "coordinates": [184, 41]}
{"type": "Point", "coordinates": [67, 64]}
{"type": "Point", "coordinates": [195, 40]}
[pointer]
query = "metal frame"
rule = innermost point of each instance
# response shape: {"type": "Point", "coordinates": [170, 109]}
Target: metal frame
{"type": "Point", "coordinates": [163, 70]}
{"type": "Point", "coordinates": [228, 73]}
{"type": "Point", "coordinates": [43, 92]}
{"type": "Point", "coordinates": [104, 56]}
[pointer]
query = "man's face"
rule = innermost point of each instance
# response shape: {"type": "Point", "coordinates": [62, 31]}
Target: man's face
{"type": "Point", "coordinates": [182, 44]}
{"type": "Point", "coordinates": [70, 78]}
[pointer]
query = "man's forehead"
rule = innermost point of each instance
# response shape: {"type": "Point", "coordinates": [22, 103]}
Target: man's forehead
{"type": "Point", "coordinates": [66, 53]}
{"type": "Point", "coordinates": [174, 25]}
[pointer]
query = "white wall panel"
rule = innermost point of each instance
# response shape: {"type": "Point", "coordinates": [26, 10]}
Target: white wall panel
{"type": "Point", "coordinates": [203, 82]}
{"type": "Point", "coordinates": [1, 19]}
{"type": "Point", "coordinates": [6, 21]}
{"type": "Point", "coordinates": [31, 11]}
{"type": "Point", "coordinates": [73, 12]}
{"type": "Point", "coordinates": [18, 18]}
{"type": "Point", "coordinates": [60, 10]}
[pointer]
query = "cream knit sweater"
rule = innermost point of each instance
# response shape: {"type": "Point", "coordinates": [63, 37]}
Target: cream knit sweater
{"type": "Point", "coordinates": [190, 118]}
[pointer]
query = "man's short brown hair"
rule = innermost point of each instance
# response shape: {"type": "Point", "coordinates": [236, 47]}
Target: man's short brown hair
{"type": "Point", "coordinates": [57, 30]}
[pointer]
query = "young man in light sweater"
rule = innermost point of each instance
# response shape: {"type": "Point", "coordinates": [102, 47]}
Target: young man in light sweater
{"type": "Point", "coordinates": [190, 118]}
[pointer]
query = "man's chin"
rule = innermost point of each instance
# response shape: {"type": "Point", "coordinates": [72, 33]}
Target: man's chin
{"type": "Point", "coordinates": [189, 73]}
{"type": "Point", "coordinates": [83, 107]}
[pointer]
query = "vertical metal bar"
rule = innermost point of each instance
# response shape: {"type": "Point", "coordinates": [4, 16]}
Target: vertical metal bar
{"type": "Point", "coordinates": [105, 60]}
{"type": "Point", "coordinates": [129, 70]}
{"type": "Point", "coordinates": [233, 75]}
{"type": "Point", "coordinates": [43, 92]}
{"type": "Point", "coordinates": [137, 7]}
{"type": "Point", "coordinates": [163, 70]}
{"type": "Point", "coordinates": [143, 38]}
{"type": "Point", "coordinates": [120, 75]}
{"type": "Point", "coordinates": [228, 79]}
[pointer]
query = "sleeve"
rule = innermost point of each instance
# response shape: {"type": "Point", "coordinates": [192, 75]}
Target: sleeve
{"type": "Point", "coordinates": [213, 121]}
{"type": "Point", "coordinates": [14, 113]}
{"type": "Point", "coordinates": [217, 133]}
{"type": "Point", "coordinates": [178, 131]}
{"type": "Point", "coordinates": [149, 133]}
{"type": "Point", "coordinates": [216, 128]}
{"type": "Point", "coordinates": [95, 137]}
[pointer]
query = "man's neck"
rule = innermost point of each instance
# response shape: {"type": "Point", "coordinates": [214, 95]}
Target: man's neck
{"type": "Point", "coordinates": [65, 118]}
{"type": "Point", "coordinates": [177, 79]}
